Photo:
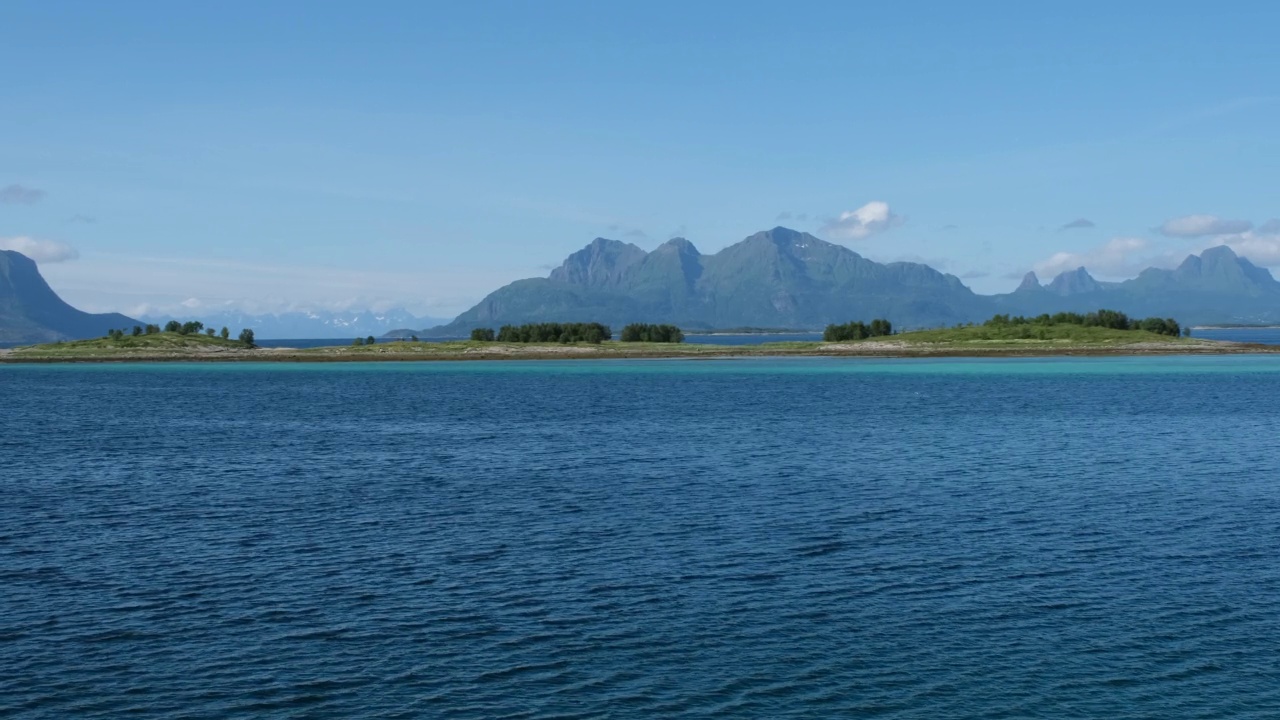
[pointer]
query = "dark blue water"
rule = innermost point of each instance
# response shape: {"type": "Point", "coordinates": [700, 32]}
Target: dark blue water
{"type": "Point", "coordinates": [1262, 336]}
{"type": "Point", "coordinates": [752, 538]}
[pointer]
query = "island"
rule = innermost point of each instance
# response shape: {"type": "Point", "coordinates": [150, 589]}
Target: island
{"type": "Point", "coordinates": [993, 339]}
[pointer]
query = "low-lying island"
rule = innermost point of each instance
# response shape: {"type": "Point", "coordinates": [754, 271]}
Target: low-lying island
{"type": "Point", "coordinates": [967, 341]}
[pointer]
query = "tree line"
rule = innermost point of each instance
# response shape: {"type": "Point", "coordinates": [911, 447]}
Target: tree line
{"type": "Point", "coordinates": [545, 333]}
{"type": "Point", "coordinates": [1112, 319]}
{"type": "Point", "coordinates": [182, 328]}
{"type": "Point", "coordinates": [857, 331]}
{"type": "Point", "coordinates": [641, 332]}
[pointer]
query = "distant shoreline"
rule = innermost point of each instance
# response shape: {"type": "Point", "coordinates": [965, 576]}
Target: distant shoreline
{"type": "Point", "coordinates": [880, 350]}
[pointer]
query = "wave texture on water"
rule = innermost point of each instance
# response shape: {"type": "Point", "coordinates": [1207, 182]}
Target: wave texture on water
{"type": "Point", "coordinates": [812, 538]}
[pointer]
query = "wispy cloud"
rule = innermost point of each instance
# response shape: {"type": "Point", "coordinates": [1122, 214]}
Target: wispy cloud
{"type": "Point", "coordinates": [1203, 226]}
{"type": "Point", "coordinates": [42, 251]}
{"type": "Point", "coordinates": [1260, 246]}
{"type": "Point", "coordinates": [20, 195]}
{"type": "Point", "coordinates": [870, 219]}
{"type": "Point", "coordinates": [1078, 224]}
{"type": "Point", "coordinates": [975, 274]}
{"type": "Point", "coordinates": [1117, 258]}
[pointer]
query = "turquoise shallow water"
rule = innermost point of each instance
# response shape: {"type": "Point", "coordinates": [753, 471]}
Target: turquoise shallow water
{"type": "Point", "coordinates": [746, 538]}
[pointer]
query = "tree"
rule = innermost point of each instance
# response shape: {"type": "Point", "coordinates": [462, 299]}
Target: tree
{"type": "Point", "coordinates": [482, 335]}
{"type": "Point", "coordinates": [210, 332]}
{"type": "Point", "coordinates": [641, 332]}
{"type": "Point", "coordinates": [370, 340]}
{"type": "Point", "coordinates": [413, 338]}
{"type": "Point", "coordinates": [225, 333]}
{"type": "Point", "coordinates": [191, 328]}
{"type": "Point", "coordinates": [173, 326]}
{"type": "Point", "coordinates": [246, 337]}
{"type": "Point", "coordinates": [357, 342]}
{"type": "Point", "coordinates": [153, 329]}
{"type": "Point", "coordinates": [137, 331]}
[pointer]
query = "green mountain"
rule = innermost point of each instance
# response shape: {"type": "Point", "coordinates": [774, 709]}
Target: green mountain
{"type": "Point", "coordinates": [785, 278]}
{"type": "Point", "coordinates": [1217, 286]}
{"type": "Point", "coordinates": [30, 311]}
{"type": "Point", "coordinates": [778, 278]}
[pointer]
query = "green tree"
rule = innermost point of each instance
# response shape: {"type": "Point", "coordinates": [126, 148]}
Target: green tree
{"type": "Point", "coordinates": [210, 332]}
{"type": "Point", "coordinates": [173, 326]}
{"type": "Point", "coordinates": [357, 342]}
{"type": "Point", "coordinates": [370, 340]}
{"type": "Point", "coordinates": [225, 333]}
{"type": "Point", "coordinates": [246, 337]}
{"type": "Point", "coordinates": [137, 330]}
{"type": "Point", "coordinates": [482, 334]}
{"type": "Point", "coordinates": [413, 338]}
{"type": "Point", "coordinates": [153, 329]}
{"type": "Point", "coordinates": [191, 328]}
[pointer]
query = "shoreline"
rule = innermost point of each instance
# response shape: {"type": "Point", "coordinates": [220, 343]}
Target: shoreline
{"type": "Point", "coordinates": [879, 350]}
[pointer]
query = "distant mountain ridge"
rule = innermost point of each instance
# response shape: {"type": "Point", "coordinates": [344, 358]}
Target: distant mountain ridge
{"type": "Point", "coordinates": [785, 278]}
{"type": "Point", "coordinates": [315, 324]}
{"type": "Point", "coordinates": [776, 278]}
{"type": "Point", "coordinates": [31, 312]}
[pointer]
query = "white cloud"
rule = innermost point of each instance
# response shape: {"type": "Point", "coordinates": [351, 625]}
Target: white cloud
{"type": "Point", "coordinates": [1203, 225]}
{"type": "Point", "coordinates": [1117, 258]}
{"type": "Point", "coordinates": [872, 218]}
{"type": "Point", "coordinates": [1261, 246]}
{"type": "Point", "coordinates": [42, 251]}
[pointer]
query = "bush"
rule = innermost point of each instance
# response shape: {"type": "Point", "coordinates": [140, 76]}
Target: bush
{"type": "Point", "coordinates": [358, 342]}
{"type": "Point", "coordinates": [370, 340]}
{"type": "Point", "coordinates": [555, 332]}
{"type": "Point", "coordinates": [1112, 319]}
{"type": "Point", "coordinates": [246, 337]}
{"type": "Point", "coordinates": [482, 335]}
{"type": "Point", "coordinates": [857, 331]}
{"type": "Point", "coordinates": [153, 329]}
{"type": "Point", "coordinates": [173, 326]}
{"type": "Point", "coordinates": [640, 332]}
{"type": "Point", "coordinates": [210, 332]}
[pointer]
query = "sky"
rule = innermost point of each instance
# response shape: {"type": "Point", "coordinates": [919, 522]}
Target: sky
{"type": "Point", "coordinates": [336, 155]}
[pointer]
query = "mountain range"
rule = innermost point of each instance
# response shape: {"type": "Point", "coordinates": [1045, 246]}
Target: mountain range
{"type": "Point", "coordinates": [779, 278]}
{"type": "Point", "coordinates": [785, 278]}
{"type": "Point", "coordinates": [30, 311]}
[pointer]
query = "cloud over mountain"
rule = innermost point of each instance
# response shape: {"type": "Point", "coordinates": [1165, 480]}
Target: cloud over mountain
{"type": "Point", "coordinates": [1203, 225]}
{"type": "Point", "coordinates": [872, 218]}
{"type": "Point", "coordinates": [1115, 258]}
{"type": "Point", "coordinates": [42, 251]}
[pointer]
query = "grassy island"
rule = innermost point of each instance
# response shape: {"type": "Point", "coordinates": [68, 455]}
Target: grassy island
{"type": "Point", "coordinates": [970, 340]}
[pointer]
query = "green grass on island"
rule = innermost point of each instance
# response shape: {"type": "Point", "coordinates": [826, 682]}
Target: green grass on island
{"type": "Point", "coordinates": [163, 343]}
{"type": "Point", "coordinates": [1023, 336]}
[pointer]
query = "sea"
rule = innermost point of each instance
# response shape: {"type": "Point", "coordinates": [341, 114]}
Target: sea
{"type": "Point", "coordinates": [746, 538]}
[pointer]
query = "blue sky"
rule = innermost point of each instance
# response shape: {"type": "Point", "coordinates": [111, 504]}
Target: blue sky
{"type": "Point", "coordinates": [323, 154]}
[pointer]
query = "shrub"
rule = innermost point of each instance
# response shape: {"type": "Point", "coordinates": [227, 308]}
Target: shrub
{"type": "Point", "coordinates": [640, 332]}
{"type": "Point", "coordinates": [555, 332]}
{"type": "Point", "coordinates": [857, 331]}
{"type": "Point", "coordinates": [358, 342]}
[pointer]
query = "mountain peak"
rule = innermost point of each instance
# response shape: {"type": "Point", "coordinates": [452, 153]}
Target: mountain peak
{"type": "Point", "coordinates": [680, 245]}
{"type": "Point", "coordinates": [601, 262]}
{"type": "Point", "coordinates": [1029, 282]}
{"type": "Point", "coordinates": [1074, 282]}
